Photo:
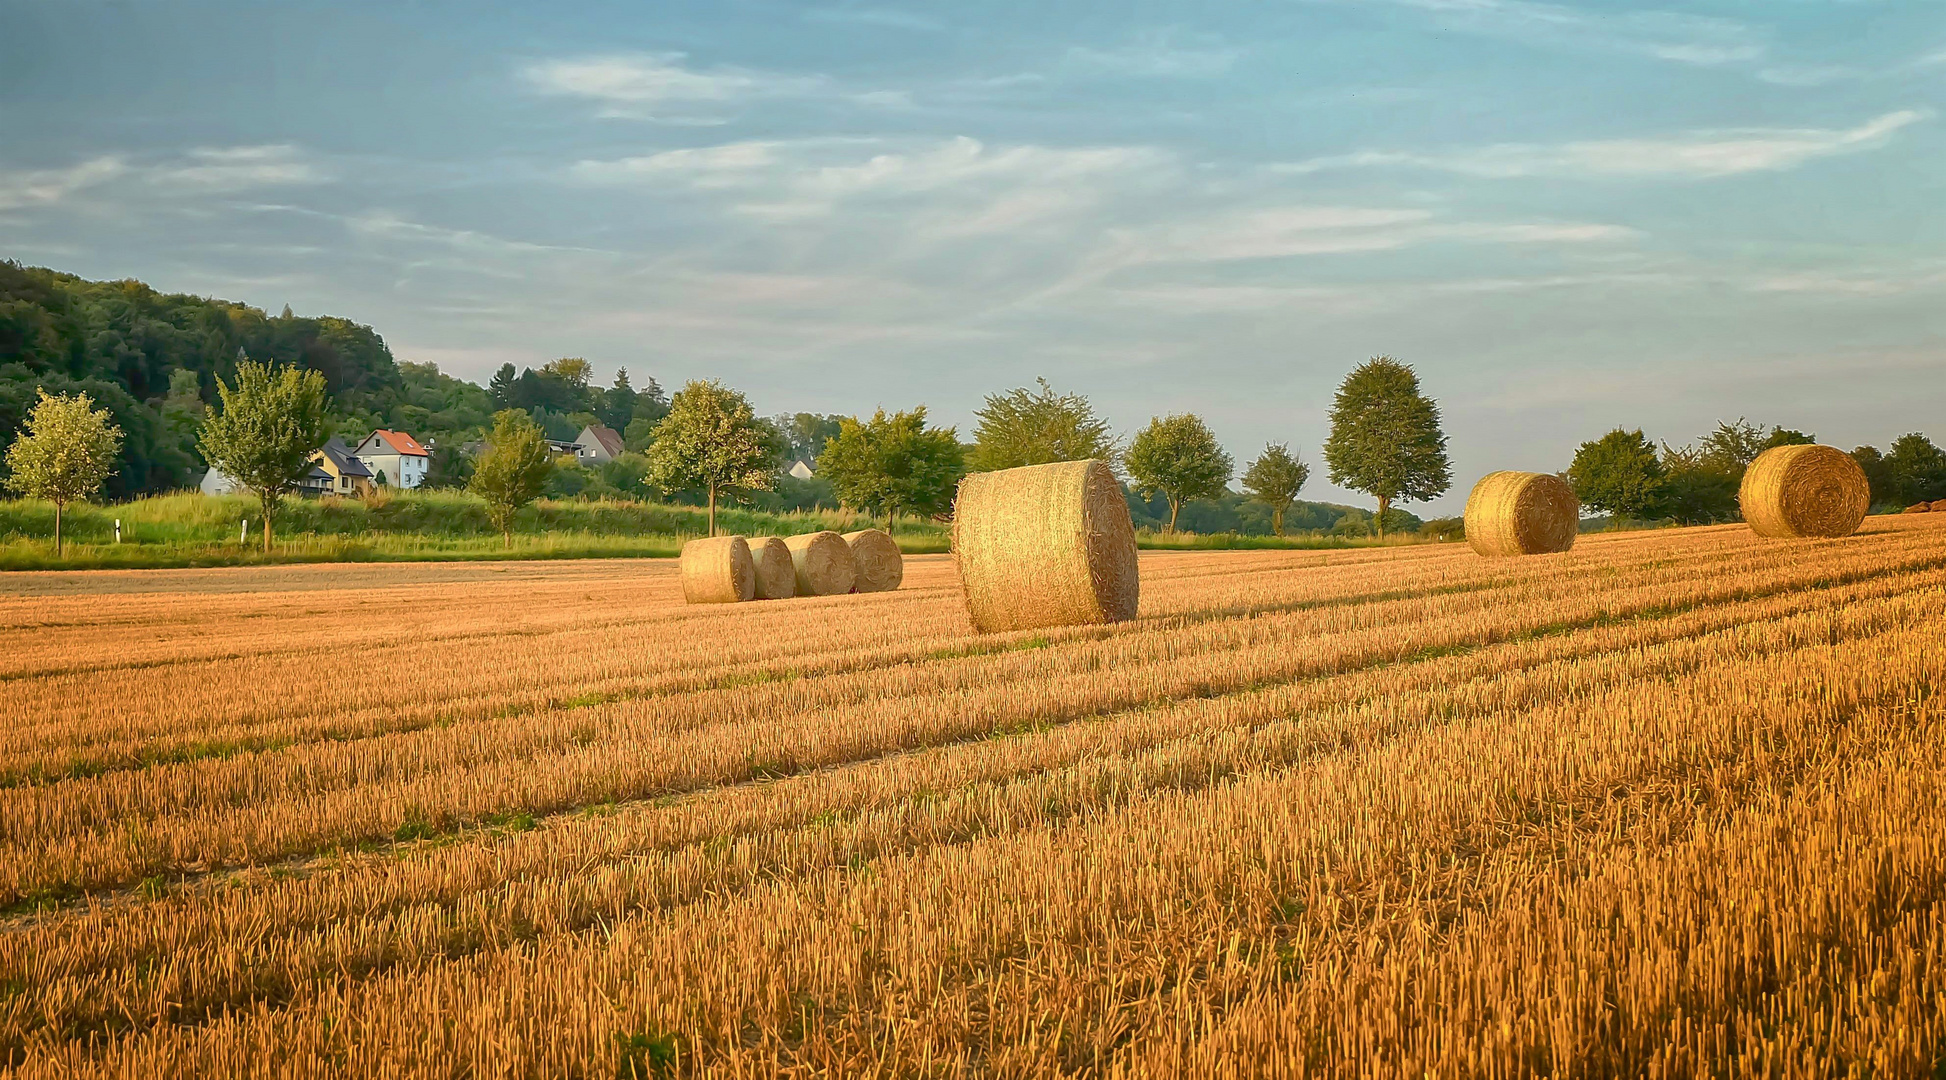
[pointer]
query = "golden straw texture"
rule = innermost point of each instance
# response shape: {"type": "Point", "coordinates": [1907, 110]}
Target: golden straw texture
{"type": "Point", "coordinates": [1521, 513]}
{"type": "Point", "coordinates": [1799, 491]}
{"type": "Point", "coordinates": [718, 570]}
{"type": "Point", "coordinates": [880, 565]}
{"type": "Point", "coordinates": [1045, 545]}
{"type": "Point", "coordinates": [776, 576]}
{"type": "Point", "coordinates": [822, 563]}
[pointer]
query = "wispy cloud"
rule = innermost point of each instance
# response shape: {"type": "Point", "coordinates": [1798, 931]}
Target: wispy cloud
{"type": "Point", "coordinates": [199, 171]}
{"type": "Point", "coordinates": [1284, 232]}
{"type": "Point", "coordinates": [1154, 55]}
{"type": "Point", "coordinates": [662, 87]}
{"type": "Point", "coordinates": [1703, 154]}
{"type": "Point", "coordinates": [1676, 37]}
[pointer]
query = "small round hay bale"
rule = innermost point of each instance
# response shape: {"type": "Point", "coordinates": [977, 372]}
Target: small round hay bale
{"type": "Point", "coordinates": [776, 577]}
{"type": "Point", "coordinates": [1521, 513]}
{"type": "Point", "coordinates": [718, 570]}
{"type": "Point", "coordinates": [880, 565]}
{"type": "Point", "coordinates": [1919, 508]}
{"type": "Point", "coordinates": [821, 562]}
{"type": "Point", "coordinates": [1045, 545]}
{"type": "Point", "coordinates": [1939, 506]}
{"type": "Point", "coordinates": [1795, 491]}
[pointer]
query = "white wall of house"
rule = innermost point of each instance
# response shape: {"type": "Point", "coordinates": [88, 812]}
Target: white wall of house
{"type": "Point", "coordinates": [401, 470]}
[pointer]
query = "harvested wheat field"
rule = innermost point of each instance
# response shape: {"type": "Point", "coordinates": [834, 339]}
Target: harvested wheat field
{"type": "Point", "coordinates": [1670, 804]}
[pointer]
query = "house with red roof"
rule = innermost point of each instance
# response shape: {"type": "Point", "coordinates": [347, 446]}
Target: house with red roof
{"type": "Point", "coordinates": [394, 458]}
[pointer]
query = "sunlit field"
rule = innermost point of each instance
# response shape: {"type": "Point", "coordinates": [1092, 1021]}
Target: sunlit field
{"type": "Point", "coordinates": [1671, 804]}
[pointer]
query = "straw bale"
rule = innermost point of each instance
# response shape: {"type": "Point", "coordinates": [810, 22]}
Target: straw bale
{"type": "Point", "coordinates": [1939, 506]}
{"type": "Point", "coordinates": [822, 563]}
{"type": "Point", "coordinates": [1797, 491]}
{"type": "Point", "coordinates": [1919, 508]}
{"type": "Point", "coordinates": [718, 570]}
{"type": "Point", "coordinates": [1045, 545]}
{"type": "Point", "coordinates": [1521, 513]}
{"type": "Point", "coordinates": [880, 565]}
{"type": "Point", "coordinates": [776, 577]}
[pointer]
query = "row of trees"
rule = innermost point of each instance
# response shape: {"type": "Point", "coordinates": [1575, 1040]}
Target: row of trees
{"type": "Point", "coordinates": [1626, 475]}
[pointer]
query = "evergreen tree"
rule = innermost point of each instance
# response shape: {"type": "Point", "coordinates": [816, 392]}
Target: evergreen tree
{"type": "Point", "coordinates": [1179, 457]}
{"type": "Point", "coordinates": [618, 403]}
{"type": "Point", "coordinates": [501, 388]}
{"type": "Point", "coordinates": [67, 449]}
{"type": "Point", "coordinates": [1385, 437]}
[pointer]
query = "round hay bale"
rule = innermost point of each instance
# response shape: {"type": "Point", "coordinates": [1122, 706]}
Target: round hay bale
{"type": "Point", "coordinates": [1939, 506]}
{"type": "Point", "coordinates": [776, 577]}
{"type": "Point", "coordinates": [880, 565]}
{"type": "Point", "coordinates": [1521, 513]}
{"type": "Point", "coordinates": [1794, 491]}
{"type": "Point", "coordinates": [1919, 508]}
{"type": "Point", "coordinates": [1045, 545]}
{"type": "Point", "coordinates": [821, 562]}
{"type": "Point", "coordinates": [718, 570]}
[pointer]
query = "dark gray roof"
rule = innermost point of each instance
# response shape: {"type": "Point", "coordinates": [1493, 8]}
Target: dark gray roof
{"type": "Point", "coordinates": [335, 449]}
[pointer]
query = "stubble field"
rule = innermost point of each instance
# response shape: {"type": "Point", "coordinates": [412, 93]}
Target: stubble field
{"type": "Point", "coordinates": [1671, 804]}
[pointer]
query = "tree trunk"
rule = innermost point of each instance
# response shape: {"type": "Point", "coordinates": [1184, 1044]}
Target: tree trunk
{"type": "Point", "coordinates": [507, 536]}
{"type": "Point", "coordinates": [712, 509]}
{"type": "Point", "coordinates": [270, 512]}
{"type": "Point", "coordinates": [1384, 504]}
{"type": "Point", "coordinates": [57, 529]}
{"type": "Point", "coordinates": [1277, 521]}
{"type": "Point", "coordinates": [1175, 507]}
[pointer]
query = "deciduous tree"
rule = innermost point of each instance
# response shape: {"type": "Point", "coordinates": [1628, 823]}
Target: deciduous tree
{"type": "Point", "coordinates": [1385, 437]}
{"type": "Point", "coordinates": [1179, 457]}
{"type": "Point", "coordinates": [893, 464]}
{"type": "Point", "coordinates": [712, 440]}
{"type": "Point", "coordinates": [512, 469]}
{"type": "Point", "coordinates": [1274, 479]}
{"type": "Point", "coordinates": [271, 421]}
{"type": "Point", "coordinates": [66, 449]}
{"type": "Point", "coordinates": [1023, 427]}
{"type": "Point", "coordinates": [1618, 473]}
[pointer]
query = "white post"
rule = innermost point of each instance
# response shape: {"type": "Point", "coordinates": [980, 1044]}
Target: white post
{"type": "Point", "coordinates": [118, 530]}
{"type": "Point", "coordinates": [244, 536]}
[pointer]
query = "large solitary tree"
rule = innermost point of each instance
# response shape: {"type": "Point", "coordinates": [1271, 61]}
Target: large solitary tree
{"type": "Point", "coordinates": [1025, 427]}
{"type": "Point", "coordinates": [512, 469]}
{"type": "Point", "coordinates": [1274, 479]}
{"type": "Point", "coordinates": [1618, 473]}
{"type": "Point", "coordinates": [1385, 437]}
{"type": "Point", "coordinates": [65, 450]}
{"type": "Point", "coordinates": [1178, 456]}
{"type": "Point", "coordinates": [712, 440]}
{"type": "Point", "coordinates": [893, 464]}
{"type": "Point", "coordinates": [271, 422]}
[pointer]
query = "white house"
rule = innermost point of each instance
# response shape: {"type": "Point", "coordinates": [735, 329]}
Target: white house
{"type": "Point", "coordinates": [597, 444]}
{"type": "Point", "coordinates": [396, 456]}
{"type": "Point", "coordinates": [800, 470]}
{"type": "Point", "coordinates": [219, 483]}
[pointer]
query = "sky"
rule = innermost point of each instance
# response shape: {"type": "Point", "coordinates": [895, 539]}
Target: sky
{"type": "Point", "coordinates": [1566, 216]}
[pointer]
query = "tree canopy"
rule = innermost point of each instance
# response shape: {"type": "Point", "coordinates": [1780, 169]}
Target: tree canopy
{"type": "Point", "coordinates": [1025, 427]}
{"type": "Point", "coordinates": [1618, 474]}
{"type": "Point", "coordinates": [1274, 479]}
{"type": "Point", "coordinates": [511, 469]}
{"type": "Point", "coordinates": [63, 453]}
{"type": "Point", "coordinates": [712, 440]}
{"type": "Point", "coordinates": [273, 418]}
{"type": "Point", "coordinates": [1385, 437]}
{"type": "Point", "coordinates": [1179, 457]}
{"type": "Point", "coordinates": [893, 464]}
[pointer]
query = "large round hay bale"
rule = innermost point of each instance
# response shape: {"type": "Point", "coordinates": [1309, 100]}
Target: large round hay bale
{"type": "Point", "coordinates": [718, 570]}
{"type": "Point", "coordinates": [1045, 545]}
{"type": "Point", "coordinates": [776, 577]}
{"type": "Point", "coordinates": [880, 565]}
{"type": "Point", "coordinates": [1792, 491]}
{"type": "Point", "coordinates": [1939, 506]}
{"type": "Point", "coordinates": [822, 563]}
{"type": "Point", "coordinates": [1521, 513]}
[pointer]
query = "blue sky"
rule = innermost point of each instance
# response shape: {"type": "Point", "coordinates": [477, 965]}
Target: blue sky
{"type": "Point", "coordinates": [1567, 216]}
